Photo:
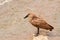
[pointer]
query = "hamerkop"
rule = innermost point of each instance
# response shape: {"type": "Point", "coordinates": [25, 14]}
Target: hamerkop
{"type": "Point", "coordinates": [38, 22]}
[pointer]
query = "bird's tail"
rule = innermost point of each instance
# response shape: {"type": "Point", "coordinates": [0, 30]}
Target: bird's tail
{"type": "Point", "coordinates": [51, 27]}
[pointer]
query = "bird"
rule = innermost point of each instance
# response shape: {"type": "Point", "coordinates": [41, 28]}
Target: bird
{"type": "Point", "coordinates": [38, 22]}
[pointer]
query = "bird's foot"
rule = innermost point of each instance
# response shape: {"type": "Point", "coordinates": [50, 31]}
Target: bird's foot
{"type": "Point", "coordinates": [36, 34]}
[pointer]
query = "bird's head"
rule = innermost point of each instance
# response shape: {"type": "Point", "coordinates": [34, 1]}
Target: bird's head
{"type": "Point", "coordinates": [29, 15]}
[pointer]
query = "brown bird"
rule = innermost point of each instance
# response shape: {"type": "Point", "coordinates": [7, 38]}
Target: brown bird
{"type": "Point", "coordinates": [38, 22]}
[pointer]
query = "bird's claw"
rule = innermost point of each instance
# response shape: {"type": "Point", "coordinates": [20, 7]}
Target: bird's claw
{"type": "Point", "coordinates": [36, 34]}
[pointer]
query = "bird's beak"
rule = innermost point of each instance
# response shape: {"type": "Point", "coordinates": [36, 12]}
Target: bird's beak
{"type": "Point", "coordinates": [26, 16]}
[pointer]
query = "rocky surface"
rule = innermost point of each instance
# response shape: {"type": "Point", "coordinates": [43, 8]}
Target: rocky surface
{"type": "Point", "coordinates": [14, 27]}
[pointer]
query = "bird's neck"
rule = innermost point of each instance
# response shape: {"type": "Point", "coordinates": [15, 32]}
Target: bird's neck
{"type": "Point", "coordinates": [32, 18]}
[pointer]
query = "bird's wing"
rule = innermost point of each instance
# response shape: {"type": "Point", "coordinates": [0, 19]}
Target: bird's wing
{"type": "Point", "coordinates": [40, 22]}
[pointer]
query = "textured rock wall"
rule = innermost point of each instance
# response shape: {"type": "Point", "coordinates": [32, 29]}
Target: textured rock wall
{"type": "Point", "coordinates": [14, 27]}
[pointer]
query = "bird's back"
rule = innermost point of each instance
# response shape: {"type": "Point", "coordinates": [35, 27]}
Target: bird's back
{"type": "Point", "coordinates": [38, 22]}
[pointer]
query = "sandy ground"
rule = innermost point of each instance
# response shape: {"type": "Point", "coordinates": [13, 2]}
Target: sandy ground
{"type": "Point", "coordinates": [14, 27]}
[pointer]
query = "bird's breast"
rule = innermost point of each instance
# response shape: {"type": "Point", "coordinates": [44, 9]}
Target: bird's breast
{"type": "Point", "coordinates": [35, 22]}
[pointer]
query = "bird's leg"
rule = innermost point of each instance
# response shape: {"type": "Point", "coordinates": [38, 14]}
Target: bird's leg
{"type": "Point", "coordinates": [37, 32]}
